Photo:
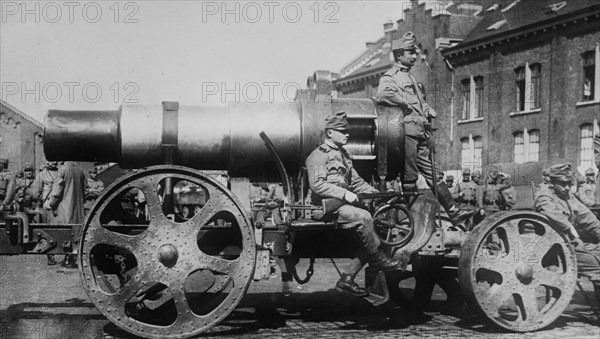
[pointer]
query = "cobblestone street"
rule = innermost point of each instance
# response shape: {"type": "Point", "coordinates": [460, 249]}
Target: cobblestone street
{"type": "Point", "coordinates": [39, 301]}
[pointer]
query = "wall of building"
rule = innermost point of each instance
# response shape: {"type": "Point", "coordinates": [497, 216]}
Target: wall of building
{"type": "Point", "coordinates": [559, 117]}
{"type": "Point", "coordinates": [20, 139]}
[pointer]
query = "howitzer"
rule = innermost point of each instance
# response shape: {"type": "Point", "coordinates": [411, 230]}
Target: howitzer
{"type": "Point", "coordinates": [173, 274]}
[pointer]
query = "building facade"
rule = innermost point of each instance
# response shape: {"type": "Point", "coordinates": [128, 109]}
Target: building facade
{"type": "Point", "coordinates": [513, 82]}
{"type": "Point", "coordinates": [21, 138]}
{"type": "Point", "coordinates": [526, 84]}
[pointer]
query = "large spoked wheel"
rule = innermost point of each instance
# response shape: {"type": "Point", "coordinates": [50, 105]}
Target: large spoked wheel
{"type": "Point", "coordinates": [157, 274]}
{"type": "Point", "coordinates": [394, 225]}
{"type": "Point", "coordinates": [518, 270]}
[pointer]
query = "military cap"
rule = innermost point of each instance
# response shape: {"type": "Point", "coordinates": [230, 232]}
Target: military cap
{"type": "Point", "coordinates": [476, 173]}
{"type": "Point", "coordinates": [337, 121]}
{"type": "Point", "coordinates": [546, 172]}
{"type": "Point", "coordinates": [449, 178]}
{"type": "Point", "coordinates": [590, 171]}
{"type": "Point", "coordinates": [466, 171]}
{"type": "Point", "coordinates": [563, 172]}
{"type": "Point", "coordinates": [4, 162]}
{"type": "Point", "coordinates": [407, 42]}
{"type": "Point", "coordinates": [504, 175]}
{"type": "Point", "coordinates": [493, 174]}
{"type": "Point", "coordinates": [28, 167]}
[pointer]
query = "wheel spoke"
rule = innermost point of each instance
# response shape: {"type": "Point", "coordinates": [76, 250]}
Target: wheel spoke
{"type": "Point", "coordinates": [545, 243]}
{"type": "Point", "coordinates": [529, 304]}
{"type": "Point", "coordinates": [488, 263]}
{"type": "Point", "coordinates": [495, 297]}
{"type": "Point", "coordinates": [512, 235]}
{"type": "Point", "coordinates": [126, 292]}
{"type": "Point", "coordinates": [107, 237]}
{"type": "Point", "coordinates": [549, 278]}
{"type": "Point", "coordinates": [201, 218]}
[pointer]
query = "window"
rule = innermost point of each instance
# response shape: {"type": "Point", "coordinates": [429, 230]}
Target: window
{"type": "Point", "coordinates": [465, 151]}
{"type": "Point", "coordinates": [528, 87]}
{"type": "Point", "coordinates": [535, 86]}
{"type": "Point", "coordinates": [586, 152]}
{"type": "Point", "coordinates": [519, 147]}
{"type": "Point", "coordinates": [520, 88]}
{"type": "Point", "coordinates": [466, 97]}
{"type": "Point", "coordinates": [534, 145]}
{"type": "Point", "coordinates": [471, 153]}
{"type": "Point", "coordinates": [591, 75]}
{"type": "Point", "coordinates": [472, 97]}
{"type": "Point", "coordinates": [526, 146]}
{"type": "Point", "coordinates": [478, 97]}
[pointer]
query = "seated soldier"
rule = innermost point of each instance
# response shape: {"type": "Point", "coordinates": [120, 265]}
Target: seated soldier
{"type": "Point", "coordinates": [569, 215]}
{"type": "Point", "coordinates": [332, 175]}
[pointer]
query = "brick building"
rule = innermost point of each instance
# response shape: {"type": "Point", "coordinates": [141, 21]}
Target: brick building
{"type": "Point", "coordinates": [512, 81]}
{"type": "Point", "coordinates": [526, 85]}
{"type": "Point", "coordinates": [21, 138]}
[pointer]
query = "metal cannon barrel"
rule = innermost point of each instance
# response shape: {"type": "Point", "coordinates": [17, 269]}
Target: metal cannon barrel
{"type": "Point", "coordinates": [224, 138]}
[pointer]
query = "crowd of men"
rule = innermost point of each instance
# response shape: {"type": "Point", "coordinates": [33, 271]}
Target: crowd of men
{"type": "Point", "coordinates": [57, 195]}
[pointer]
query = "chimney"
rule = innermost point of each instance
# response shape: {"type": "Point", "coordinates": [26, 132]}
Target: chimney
{"type": "Point", "coordinates": [388, 30]}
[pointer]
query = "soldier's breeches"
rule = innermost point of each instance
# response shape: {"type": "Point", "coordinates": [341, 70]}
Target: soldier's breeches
{"type": "Point", "coordinates": [359, 221]}
{"type": "Point", "coordinates": [416, 160]}
{"type": "Point", "coordinates": [588, 262]}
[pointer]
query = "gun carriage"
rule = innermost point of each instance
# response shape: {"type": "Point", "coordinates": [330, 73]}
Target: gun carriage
{"type": "Point", "coordinates": [194, 267]}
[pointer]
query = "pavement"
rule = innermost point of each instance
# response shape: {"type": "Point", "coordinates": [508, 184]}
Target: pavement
{"type": "Point", "coordinates": [39, 301]}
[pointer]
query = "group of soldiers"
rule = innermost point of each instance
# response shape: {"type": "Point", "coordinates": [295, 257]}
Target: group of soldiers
{"type": "Point", "coordinates": [331, 175]}
{"type": "Point", "coordinates": [494, 194]}
{"type": "Point", "coordinates": [57, 195]}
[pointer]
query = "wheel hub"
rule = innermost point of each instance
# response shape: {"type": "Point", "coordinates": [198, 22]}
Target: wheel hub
{"type": "Point", "coordinates": [524, 272]}
{"type": "Point", "coordinates": [167, 255]}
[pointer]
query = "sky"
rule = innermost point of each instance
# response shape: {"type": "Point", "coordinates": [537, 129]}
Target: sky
{"type": "Point", "coordinates": [101, 54]}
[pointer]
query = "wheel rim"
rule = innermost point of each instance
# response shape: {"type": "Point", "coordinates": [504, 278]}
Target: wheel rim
{"type": "Point", "coordinates": [394, 225]}
{"type": "Point", "coordinates": [518, 270]}
{"type": "Point", "coordinates": [185, 283]}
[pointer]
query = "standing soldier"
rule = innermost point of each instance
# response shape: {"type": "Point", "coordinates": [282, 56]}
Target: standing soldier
{"type": "Point", "coordinates": [43, 188]}
{"type": "Point", "coordinates": [8, 186]}
{"type": "Point", "coordinates": [397, 87]}
{"type": "Point", "coordinates": [476, 178]}
{"type": "Point", "coordinates": [67, 200]}
{"type": "Point", "coordinates": [94, 188]}
{"type": "Point", "coordinates": [25, 188]}
{"type": "Point", "coordinates": [489, 198]}
{"type": "Point", "coordinates": [467, 190]}
{"type": "Point", "coordinates": [331, 175]}
{"type": "Point", "coordinates": [451, 187]}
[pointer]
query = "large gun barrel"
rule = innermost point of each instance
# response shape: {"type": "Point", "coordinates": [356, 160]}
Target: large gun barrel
{"type": "Point", "coordinates": [225, 138]}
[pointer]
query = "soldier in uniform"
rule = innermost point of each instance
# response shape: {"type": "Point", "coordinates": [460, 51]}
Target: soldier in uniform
{"type": "Point", "coordinates": [476, 177]}
{"type": "Point", "coordinates": [451, 187]}
{"type": "Point", "coordinates": [93, 189]}
{"type": "Point", "coordinates": [397, 87]}
{"type": "Point", "coordinates": [489, 198]}
{"type": "Point", "coordinates": [573, 218]}
{"type": "Point", "coordinates": [43, 188]}
{"type": "Point", "coordinates": [587, 190]}
{"type": "Point", "coordinates": [507, 192]}
{"type": "Point", "coordinates": [332, 175]}
{"type": "Point", "coordinates": [467, 190]}
{"type": "Point", "coordinates": [8, 186]}
{"type": "Point", "coordinates": [25, 188]}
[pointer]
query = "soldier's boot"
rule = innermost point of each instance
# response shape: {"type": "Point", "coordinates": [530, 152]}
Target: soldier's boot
{"type": "Point", "coordinates": [456, 215]}
{"type": "Point", "coordinates": [380, 261]}
{"type": "Point", "coordinates": [346, 284]}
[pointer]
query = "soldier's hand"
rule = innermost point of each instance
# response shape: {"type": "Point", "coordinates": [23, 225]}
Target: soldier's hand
{"type": "Point", "coordinates": [350, 197]}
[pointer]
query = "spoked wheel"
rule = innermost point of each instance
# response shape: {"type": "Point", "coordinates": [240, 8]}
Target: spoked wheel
{"type": "Point", "coordinates": [394, 225]}
{"type": "Point", "coordinates": [166, 277]}
{"type": "Point", "coordinates": [518, 270]}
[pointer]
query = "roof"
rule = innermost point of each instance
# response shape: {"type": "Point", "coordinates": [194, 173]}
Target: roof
{"type": "Point", "coordinates": [6, 106]}
{"type": "Point", "coordinates": [513, 15]}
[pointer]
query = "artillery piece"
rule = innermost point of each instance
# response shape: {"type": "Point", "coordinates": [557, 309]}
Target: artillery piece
{"type": "Point", "coordinates": [514, 266]}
